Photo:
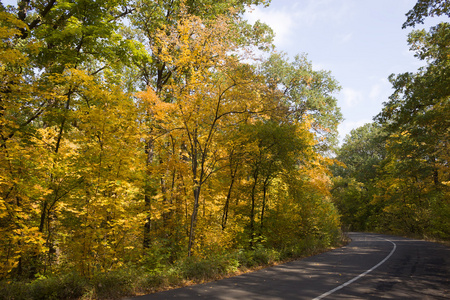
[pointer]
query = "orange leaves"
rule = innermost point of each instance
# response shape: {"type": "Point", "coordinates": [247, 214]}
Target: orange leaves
{"type": "Point", "coordinates": [194, 46]}
{"type": "Point", "coordinates": [85, 161]}
{"type": "Point", "coordinates": [159, 111]}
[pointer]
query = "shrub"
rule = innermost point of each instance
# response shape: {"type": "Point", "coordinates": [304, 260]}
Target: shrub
{"type": "Point", "coordinates": [210, 268]}
{"type": "Point", "coordinates": [114, 284]}
{"type": "Point", "coordinates": [258, 256]}
{"type": "Point", "coordinates": [14, 290]}
{"type": "Point", "coordinates": [70, 286]}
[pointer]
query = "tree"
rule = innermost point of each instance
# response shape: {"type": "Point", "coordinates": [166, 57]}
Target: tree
{"type": "Point", "coordinates": [203, 93]}
{"type": "Point", "coordinates": [355, 180]}
{"type": "Point", "coordinates": [412, 185]}
{"type": "Point", "coordinates": [133, 133]}
{"type": "Point", "coordinates": [400, 184]}
{"type": "Point", "coordinates": [150, 21]}
{"type": "Point", "coordinates": [275, 149]}
{"type": "Point", "coordinates": [53, 51]}
{"type": "Point", "coordinates": [305, 92]}
{"type": "Point", "coordinates": [424, 9]}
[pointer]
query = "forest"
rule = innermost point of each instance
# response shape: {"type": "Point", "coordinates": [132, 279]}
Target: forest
{"type": "Point", "coordinates": [397, 175]}
{"type": "Point", "coordinates": [149, 144]}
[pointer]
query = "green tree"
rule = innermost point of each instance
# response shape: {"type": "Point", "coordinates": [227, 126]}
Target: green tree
{"type": "Point", "coordinates": [355, 181]}
{"type": "Point", "coordinates": [401, 184]}
{"type": "Point", "coordinates": [305, 92]}
{"type": "Point", "coordinates": [416, 119]}
{"type": "Point", "coordinates": [276, 149]}
{"type": "Point", "coordinates": [426, 8]}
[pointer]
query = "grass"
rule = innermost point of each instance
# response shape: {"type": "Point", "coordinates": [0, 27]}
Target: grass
{"type": "Point", "coordinates": [137, 280]}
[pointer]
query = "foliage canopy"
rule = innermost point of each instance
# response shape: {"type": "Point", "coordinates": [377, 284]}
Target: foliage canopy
{"type": "Point", "coordinates": [141, 132]}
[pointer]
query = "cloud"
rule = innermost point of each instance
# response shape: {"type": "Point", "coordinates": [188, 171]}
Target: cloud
{"type": "Point", "coordinates": [371, 96]}
{"type": "Point", "coordinates": [344, 38]}
{"type": "Point", "coordinates": [288, 20]}
{"type": "Point", "coordinates": [313, 12]}
{"type": "Point", "coordinates": [351, 97]}
{"type": "Point", "coordinates": [319, 66]}
{"type": "Point", "coordinates": [381, 90]}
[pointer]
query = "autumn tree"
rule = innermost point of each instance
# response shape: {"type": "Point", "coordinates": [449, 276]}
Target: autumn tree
{"type": "Point", "coordinates": [54, 51]}
{"type": "Point", "coordinates": [210, 93]}
{"type": "Point", "coordinates": [203, 94]}
{"type": "Point", "coordinates": [136, 133]}
{"type": "Point", "coordinates": [150, 20]}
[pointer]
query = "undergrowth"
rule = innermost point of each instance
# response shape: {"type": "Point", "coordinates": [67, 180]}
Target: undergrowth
{"type": "Point", "coordinates": [149, 277]}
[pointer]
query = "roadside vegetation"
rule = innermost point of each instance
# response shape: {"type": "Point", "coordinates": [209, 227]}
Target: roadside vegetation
{"type": "Point", "coordinates": [151, 144]}
{"type": "Point", "coordinates": [156, 275]}
{"type": "Point", "coordinates": [145, 144]}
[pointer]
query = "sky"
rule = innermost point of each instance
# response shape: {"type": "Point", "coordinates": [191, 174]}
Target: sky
{"type": "Point", "coordinates": [361, 42]}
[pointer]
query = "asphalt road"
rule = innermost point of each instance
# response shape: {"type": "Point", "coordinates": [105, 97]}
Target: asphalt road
{"type": "Point", "coordinates": [371, 266]}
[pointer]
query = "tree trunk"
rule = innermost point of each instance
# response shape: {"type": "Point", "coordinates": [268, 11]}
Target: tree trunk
{"type": "Point", "coordinates": [147, 224]}
{"type": "Point", "coordinates": [227, 201]}
{"type": "Point", "coordinates": [266, 184]}
{"type": "Point", "coordinates": [252, 210]}
{"type": "Point", "coordinates": [197, 184]}
{"type": "Point", "coordinates": [147, 196]}
{"type": "Point", "coordinates": [193, 219]}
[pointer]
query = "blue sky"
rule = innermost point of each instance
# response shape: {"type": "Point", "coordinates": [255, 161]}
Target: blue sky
{"type": "Point", "coordinates": [360, 41]}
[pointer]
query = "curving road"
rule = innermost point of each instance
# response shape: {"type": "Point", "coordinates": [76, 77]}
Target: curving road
{"type": "Point", "coordinates": [371, 266]}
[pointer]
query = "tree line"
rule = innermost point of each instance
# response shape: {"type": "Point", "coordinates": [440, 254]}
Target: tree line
{"type": "Point", "coordinates": [397, 176]}
{"type": "Point", "coordinates": [141, 132]}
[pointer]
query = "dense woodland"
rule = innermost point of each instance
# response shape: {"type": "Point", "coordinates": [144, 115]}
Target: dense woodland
{"type": "Point", "coordinates": [397, 174]}
{"type": "Point", "coordinates": [143, 132]}
{"type": "Point", "coordinates": [137, 135]}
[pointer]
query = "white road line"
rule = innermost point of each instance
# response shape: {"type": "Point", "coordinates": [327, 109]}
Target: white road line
{"type": "Point", "coordinates": [360, 275]}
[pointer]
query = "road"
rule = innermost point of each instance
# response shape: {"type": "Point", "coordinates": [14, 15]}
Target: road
{"type": "Point", "coordinates": [371, 266]}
